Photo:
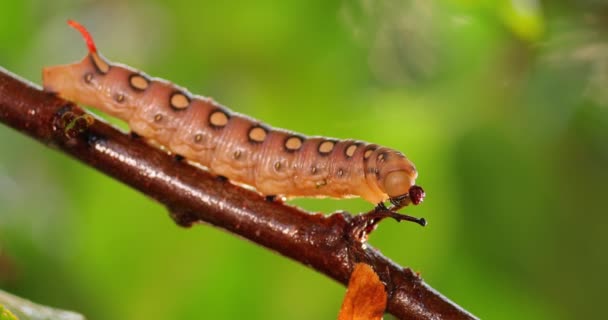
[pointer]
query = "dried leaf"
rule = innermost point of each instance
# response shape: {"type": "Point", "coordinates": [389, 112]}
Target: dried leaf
{"type": "Point", "coordinates": [365, 297]}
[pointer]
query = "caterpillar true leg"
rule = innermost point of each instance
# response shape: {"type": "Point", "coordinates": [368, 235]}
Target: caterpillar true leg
{"type": "Point", "coordinates": [415, 196]}
{"type": "Point", "coordinates": [364, 224]}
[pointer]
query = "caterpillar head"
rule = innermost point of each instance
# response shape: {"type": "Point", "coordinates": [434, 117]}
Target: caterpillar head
{"type": "Point", "coordinates": [398, 183]}
{"type": "Point", "coordinates": [396, 176]}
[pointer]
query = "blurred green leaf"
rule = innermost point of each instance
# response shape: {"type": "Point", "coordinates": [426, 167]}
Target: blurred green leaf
{"type": "Point", "coordinates": [6, 314]}
{"type": "Point", "coordinates": [27, 310]}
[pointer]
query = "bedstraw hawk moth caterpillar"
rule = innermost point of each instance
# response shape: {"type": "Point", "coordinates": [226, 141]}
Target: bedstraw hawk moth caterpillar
{"type": "Point", "coordinates": [229, 144]}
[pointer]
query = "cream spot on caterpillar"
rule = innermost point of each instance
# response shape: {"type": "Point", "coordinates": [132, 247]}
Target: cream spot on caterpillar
{"type": "Point", "coordinates": [340, 173]}
{"type": "Point", "coordinates": [368, 152]}
{"type": "Point", "coordinates": [100, 64]}
{"type": "Point", "coordinates": [277, 166]}
{"type": "Point", "coordinates": [236, 155]}
{"type": "Point", "coordinates": [88, 77]}
{"type": "Point", "coordinates": [158, 118]}
{"type": "Point", "coordinates": [218, 118]}
{"type": "Point", "coordinates": [198, 138]}
{"type": "Point", "coordinates": [138, 82]}
{"type": "Point", "coordinates": [257, 134]}
{"type": "Point", "coordinates": [293, 143]}
{"type": "Point", "coordinates": [326, 147]}
{"type": "Point", "coordinates": [179, 101]}
{"type": "Point", "coordinates": [313, 170]}
{"type": "Point", "coordinates": [350, 151]}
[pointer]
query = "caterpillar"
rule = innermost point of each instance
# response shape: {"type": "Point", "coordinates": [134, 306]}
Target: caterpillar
{"type": "Point", "coordinates": [240, 148]}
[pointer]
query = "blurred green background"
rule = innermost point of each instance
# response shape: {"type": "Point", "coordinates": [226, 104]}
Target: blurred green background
{"type": "Point", "coordinates": [501, 104]}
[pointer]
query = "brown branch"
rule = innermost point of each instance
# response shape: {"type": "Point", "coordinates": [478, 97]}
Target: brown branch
{"type": "Point", "coordinates": [325, 243]}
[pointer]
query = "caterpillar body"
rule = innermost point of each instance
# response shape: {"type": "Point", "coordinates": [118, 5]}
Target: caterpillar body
{"type": "Point", "coordinates": [273, 161]}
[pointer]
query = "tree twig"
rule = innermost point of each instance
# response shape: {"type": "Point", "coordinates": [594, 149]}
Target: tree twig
{"type": "Point", "coordinates": [325, 243]}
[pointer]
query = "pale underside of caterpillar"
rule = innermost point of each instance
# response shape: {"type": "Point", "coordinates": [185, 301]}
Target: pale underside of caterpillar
{"type": "Point", "coordinates": [246, 151]}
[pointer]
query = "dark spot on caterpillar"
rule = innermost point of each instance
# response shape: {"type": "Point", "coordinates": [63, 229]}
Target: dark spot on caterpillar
{"type": "Point", "coordinates": [178, 158]}
{"type": "Point", "coordinates": [134, 135]}
{"type": "Point", "coordinates": [313, 170]}
{"type": "Point", "coordinates": [119, 97]}
{"type": "Point", "coordinates": [221, 179]}
{"type": "Point", "coordinates": [198, 138]}
{"type": "Point", "coordinates": [88, 77]}
{"type": "Point", "coordinates": [236, 155]}
{"type": "Point", "coordinates": [257, 134]}
{"type": "Point", "coordinates": [340, 173]}
{"type": "Point", "coordinates": [179, 101]}
{"type": "Point", "coordinates": [158, 118]}
{"type": "Point", "coordinates": [138, 82]}
{"type": "Point", "coordinates": [326, 147]}
{"type": "Point", "coordinates": [218, 119]}
{"type": "Point", "coordinates": [277, 165]}
{"type": "Point", "coordinates": [382, 157]}
{"type": "Point", "coordinates": [350, 150]}
{"type": "Point", "coordinates": [271, 198]}
{"type": "Point", "coordinates": [294, 143]}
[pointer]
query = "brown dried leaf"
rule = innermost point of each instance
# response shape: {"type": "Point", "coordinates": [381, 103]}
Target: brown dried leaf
{"type": "Point", "coordinates": [365, 297]}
